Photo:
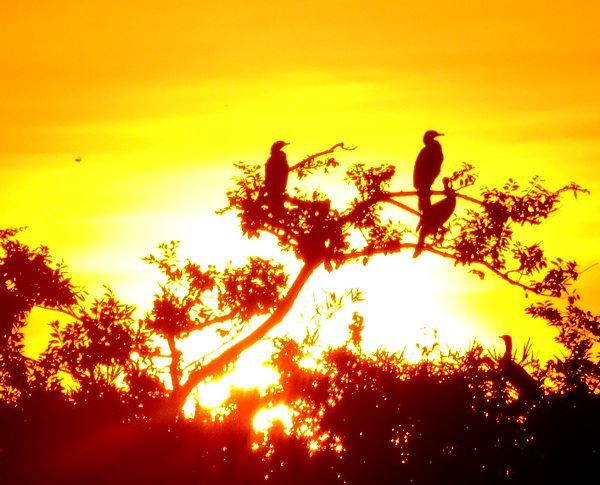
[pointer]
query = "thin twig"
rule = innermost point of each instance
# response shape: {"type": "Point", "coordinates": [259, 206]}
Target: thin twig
{"type": "Point", "coordinates": [63, 310]}
{"type": "Point", "coordinates": [402, 206]}
{"type": "Point", "coordinates": [320, 154]}
{"type": "Point", "coordinates": [412, 193]}
{"type": "Point", "coordinates": [213, 321]}
{"type": "Point", "coordinates": [373, 252]}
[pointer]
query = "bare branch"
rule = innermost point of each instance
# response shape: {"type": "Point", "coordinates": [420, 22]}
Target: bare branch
{"type": "Point", "coordinates": [213, 321]}
{"type": "Point", "coordinates": [320, 154]}
{"type": "Point", "coordinates": [63, 310]}
{"type": "Point", "coordinates": [366, 253]}
{"type": "Point", "coordinates": [402, 206]}
{"type": "Point", "coordinates": [489, 267]}
{"type": "Point", "coordinates": [414, 193]}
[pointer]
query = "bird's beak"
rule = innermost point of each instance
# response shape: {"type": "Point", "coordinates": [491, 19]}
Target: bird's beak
{"type": "Point", "coordinates": [286, 143]}
{"type": "Point", "coordinates": [440, 134]}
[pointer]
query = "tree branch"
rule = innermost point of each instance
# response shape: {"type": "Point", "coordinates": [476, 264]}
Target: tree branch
{"type": "Point", "coordinates": [213, 321]}
{"type": "Point", "coordinates": [388, 197]}
{"type": "Point", "coordinates": [174, 369]}
{"type": "Point", "coordinates": [63, 310]}
{"type": "Point", "coordinates": [496, 271]}
{"type": "Point", "coordinates": [402, 206]}
{"type": "Point", "coordinates": [373, 252]}
{"type": "Point", "coordinates": [413, 193]}
{"type": "Point", "coordinates": [320, 154]}
{"type": "Point", "coordinates": [228, 356]}
{"type": "Point", "coordinates": [74, 374]}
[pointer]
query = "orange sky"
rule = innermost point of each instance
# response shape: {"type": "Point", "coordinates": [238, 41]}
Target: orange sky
{"type": "Point", "coordinates": [161, 99]}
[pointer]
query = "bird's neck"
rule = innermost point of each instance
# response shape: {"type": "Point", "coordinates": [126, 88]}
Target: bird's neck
{"type": "Point", "coordinates": [508, 351]}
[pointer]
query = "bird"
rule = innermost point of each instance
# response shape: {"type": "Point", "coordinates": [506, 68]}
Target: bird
{"type": "Point", "coordinates": [527, 387]}
{"type": "Point", "coordinates": [78, 158]}
{"type": "Point", "coordinates": [427, 167]}
{"type": "Point", "coordinates": [276, 176]}
{"type": "Point", "coordinates": [435, 216]}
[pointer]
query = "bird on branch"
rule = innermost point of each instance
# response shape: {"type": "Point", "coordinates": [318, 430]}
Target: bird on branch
{"type": "Point", "coordinates": [527, 387]}
{"type": "Point", "coordinates": [435, 216]}
{"type": "Point", "coordinates": [276, 177]}
{"type": "Point", "coordinates": [427, 168]}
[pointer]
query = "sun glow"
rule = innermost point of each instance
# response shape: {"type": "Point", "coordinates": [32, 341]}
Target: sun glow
{"type": "Point", "coordinates": [250, 372]}
{"type": "Point", "coordinates": [268, 417]}
{"type": "Point", "coordinates": [247, 375]}
{"type": "Point", "coordinates": [212, 395]}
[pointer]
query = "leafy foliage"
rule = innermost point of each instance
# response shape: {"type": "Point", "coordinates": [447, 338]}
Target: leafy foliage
{"type": "Point", "coordinates": [104, 350]}
{"type": "Point", "coordinates": [579, 333]}
{"type": "Point", "coordinates": [28, 278]}
{"type": "Point", "coordinates": [449, 418]}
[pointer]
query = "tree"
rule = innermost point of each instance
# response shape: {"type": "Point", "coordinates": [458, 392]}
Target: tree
{"type": "Point", "coordinates": [193, 299]}
{"type": "Point", "coordinates": [318, 233]}
{"type": "Point", "coordinates": [28, 278]}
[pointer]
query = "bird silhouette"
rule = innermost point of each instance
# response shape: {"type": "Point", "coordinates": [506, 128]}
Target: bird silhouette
{"type": "Point", "coordinates": [276, 176]}
{"type": "Point", "coordinates": [78, 158]}
{"type": "Point", "coordinates": [427, 167]}
{"type": "Point", "coordinates": [435, 216]}
{"type": "Point", "coordinates": [527, 387]}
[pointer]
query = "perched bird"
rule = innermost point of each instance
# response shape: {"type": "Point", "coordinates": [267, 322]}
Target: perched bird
{"type": "Point", "coordinates": [276, 176]}
{"type": "Point", "coordinates": [526, 386]}
{"type": "Point", "coordinates": [427, 167]}
{"type": "Point", "coordinates": [435, 216]}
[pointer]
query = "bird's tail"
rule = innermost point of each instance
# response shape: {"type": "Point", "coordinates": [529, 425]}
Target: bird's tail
{"type": "Point", "coordinates": [420, 245]}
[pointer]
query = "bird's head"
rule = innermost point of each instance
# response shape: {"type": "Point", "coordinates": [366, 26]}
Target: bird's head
{"type": "Point", "coordinates": [448, 190]}
{"type": "Point", "coordinates": [507, 341]}
{"type": "Point", "coordinates": [430, 135]}
{"type": "Point", "coordinates": [278, 145]}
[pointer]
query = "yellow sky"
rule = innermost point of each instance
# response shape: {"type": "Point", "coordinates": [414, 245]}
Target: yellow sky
{"type": "Point", "coordinates": [160, 99]}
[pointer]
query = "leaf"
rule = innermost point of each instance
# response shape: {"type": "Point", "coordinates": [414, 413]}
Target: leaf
{"type": "Point", "coordinates": [478, 273]}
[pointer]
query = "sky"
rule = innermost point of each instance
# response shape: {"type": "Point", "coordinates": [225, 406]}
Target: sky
{"type": "Point", "coordinates": [160, 99]}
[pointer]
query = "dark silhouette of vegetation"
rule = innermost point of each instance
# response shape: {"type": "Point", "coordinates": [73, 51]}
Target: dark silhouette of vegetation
{"type": "Point", "coordinates": [103, 402]}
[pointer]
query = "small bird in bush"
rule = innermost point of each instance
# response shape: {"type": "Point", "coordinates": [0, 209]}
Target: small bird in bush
{"type": "Point", "coordinates": [526, 386]}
